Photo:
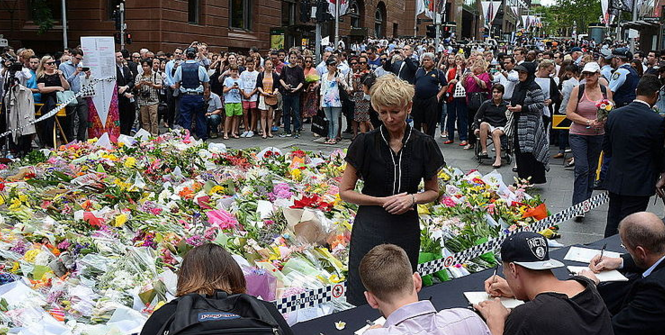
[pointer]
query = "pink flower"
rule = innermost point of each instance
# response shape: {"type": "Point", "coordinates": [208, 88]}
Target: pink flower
{"type": "Point", "coordinates": [222, 219]}
{"type": "Point", "coordinates": [449, 202]}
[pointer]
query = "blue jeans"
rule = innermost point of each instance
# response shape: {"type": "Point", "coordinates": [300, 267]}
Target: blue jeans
{"type": "Point", "coordinates": [191, 106]}
{"type": "Point", "coordinates": [213, 123]}
{"type": "Point", "coordinates": [444, 112]}
{"type": "Point", "coordinates": [586, 150]}
{"type": "Point", "coordinates": [291, 104]}
{"type": "Point", "coordinates": [332, 114]}
{"type": "Point", "coordinates": [458, 110]}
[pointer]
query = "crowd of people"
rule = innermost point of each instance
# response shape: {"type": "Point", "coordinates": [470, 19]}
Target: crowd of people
{"type": "Point", "coordinates": [397, 100]}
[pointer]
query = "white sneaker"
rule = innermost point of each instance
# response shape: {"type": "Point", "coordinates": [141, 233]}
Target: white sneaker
{"type": "Point", "coordinates": [243, 134]}
{"type": "Point", "coordinates": [250, 134]}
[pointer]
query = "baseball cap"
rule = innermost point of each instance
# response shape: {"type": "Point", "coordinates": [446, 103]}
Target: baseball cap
{"type": "Point", "coordinates": [606, 53]}
{"type": "Point", "coordinates": [575, 49]}
{"type": "Point", "coordinates": [622, 52]}
{"type": "Point", "coordinates": [529, 250]}
{"type": "Point", "coordinates": [190, 52]}
{"type": "Point", "coordinates": [591, 67]}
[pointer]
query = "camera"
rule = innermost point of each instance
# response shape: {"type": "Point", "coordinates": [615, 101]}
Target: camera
{"type": "Point", "coordinates": [11, 63]}
{"type": "Point", "coordinates": [145, 94]}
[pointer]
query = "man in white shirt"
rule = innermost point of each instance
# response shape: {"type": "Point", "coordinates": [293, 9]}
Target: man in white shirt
{"type": "Point", "coordinates": [508, 77]}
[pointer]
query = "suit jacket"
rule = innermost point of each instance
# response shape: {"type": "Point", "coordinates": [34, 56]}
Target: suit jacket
{"type": "Point", "coordinates": [124, 78]}
{"type": "Point", "coordinates": [643, 309]}
{"type": "Point", "coordinates": [634, 137]}
{"type": "Point", "coordinates": [408, 71]}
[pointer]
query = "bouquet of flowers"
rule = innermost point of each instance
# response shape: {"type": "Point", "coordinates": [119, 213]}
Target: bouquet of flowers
{"type": "Point", "coordinates": [604, 106]}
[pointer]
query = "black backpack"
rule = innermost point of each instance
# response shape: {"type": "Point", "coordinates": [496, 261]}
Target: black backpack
{"type": "Point", "coordinates": [220, 314]}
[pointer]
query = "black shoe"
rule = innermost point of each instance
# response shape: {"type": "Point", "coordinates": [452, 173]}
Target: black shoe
{"type": "Point", "coordinates": [599, 185]}
{"type": "Point", "coordinates": [348, 131]}
{"type": "Point", "coordinates": [514, 169]}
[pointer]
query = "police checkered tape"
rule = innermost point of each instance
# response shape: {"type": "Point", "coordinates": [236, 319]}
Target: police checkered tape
{"type": "Point", "coordinates": [86, 91]}
{"type": "Point", "coordinates": [328, 293]}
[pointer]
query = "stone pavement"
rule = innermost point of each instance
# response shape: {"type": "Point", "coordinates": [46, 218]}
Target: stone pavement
{"type": "Point", "coordinates": [557, 193]}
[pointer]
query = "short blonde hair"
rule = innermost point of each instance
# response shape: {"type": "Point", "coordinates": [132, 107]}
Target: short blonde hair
{"type": "Point", "coordinates": [386, 272]}
{"type": "Point", "coordinates": [545, 63]}
{"type": "Point", "coordinates": [390, 91]}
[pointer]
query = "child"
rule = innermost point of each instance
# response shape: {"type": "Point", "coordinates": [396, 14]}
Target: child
{"type": "Point", "coordinates": [249, 98]}
{"type": "Point", "coordinates": [232, 102]}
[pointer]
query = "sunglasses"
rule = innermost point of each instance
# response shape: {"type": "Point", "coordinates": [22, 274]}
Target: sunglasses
{"type": "Point", "coordinates": [354, 63]}
{"type": "Point", "coordinates": [50, 63]}
{"type": "Point", "coordinates": [332, 64]}
{"type": "Point", "coordinates": [79, 58]}
{"type": "Point", "coordinates": [588, 74]}
{"type": "Point", "coordinates": [308, 61]}
{"type": "Point", "coordinates": [384, 59]}
{"type": "Point", "coordinates": [362, 62]}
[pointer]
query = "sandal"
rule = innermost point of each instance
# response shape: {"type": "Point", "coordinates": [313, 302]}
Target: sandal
{"type": "Point", "coordinates": [270, 135]}
{"type": "Point", "coordinates": [496, 166]}
{"type": "Point", "coordinates": [235, 136]}
{"type": "Point", "coordinates": [226, 137]}
{"type": "Point", "coordinates": [484, 154]}
{"type": "Point", "coordinates": [449, 142]}
{"type": "Point", "coordinates": [463, 144]}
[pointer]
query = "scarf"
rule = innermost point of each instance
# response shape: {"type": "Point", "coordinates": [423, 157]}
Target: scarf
{"type": "Point", "coordinates": [521, 89]}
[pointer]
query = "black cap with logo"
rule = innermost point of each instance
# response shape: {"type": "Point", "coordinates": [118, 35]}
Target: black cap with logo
{"type": "Point", "coordinates": [529, 250]}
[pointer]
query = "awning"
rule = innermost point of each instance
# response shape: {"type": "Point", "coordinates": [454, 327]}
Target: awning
{"type": "Point", "coordinates": [640, 24]}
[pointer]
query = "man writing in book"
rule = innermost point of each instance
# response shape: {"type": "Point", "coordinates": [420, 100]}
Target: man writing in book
{"type": "Point", "coordinates": [392, 288]}
{"type": "Point", "coordinates": [553, 306]}
{"type": "Point", "coordinates": [638, 306]}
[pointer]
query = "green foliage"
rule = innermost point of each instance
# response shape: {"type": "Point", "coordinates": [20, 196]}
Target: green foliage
{"type": "Point", "coordinates": [34, 157]}
{"type": "Point", "coordinates": [42, 15]}
{"type": "Point", "coordinates": [559, 19]}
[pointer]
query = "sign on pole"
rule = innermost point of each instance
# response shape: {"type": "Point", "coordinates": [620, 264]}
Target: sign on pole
{"type": "Point", "coordinates": [99, 56]}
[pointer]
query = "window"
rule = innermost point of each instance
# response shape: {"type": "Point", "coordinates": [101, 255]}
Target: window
{"type": "Point", "coordinates": [241, 14]}
{"type": "Point", "coordinates": [288, 13]}
{"type": "Point", "coordinates": [45, 9]}
{"type": "Point", "coordinates": [378, 23]}
{"type": "Point", "coordinates": [354, 13]}
{"type": "Point", "coordinates": [112, 6]}
{"type": "Point", "coordinates": [193, 11]}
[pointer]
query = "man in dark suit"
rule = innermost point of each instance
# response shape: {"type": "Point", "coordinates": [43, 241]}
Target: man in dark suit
{"type": "Point", "coordinates": [125, 83]}
{"type": "Point", "coordinates": [642, 307]}
{"type": "Point", "coordinates": [406, 68]}
{"type": "Point", "coordinates": [634, 137]}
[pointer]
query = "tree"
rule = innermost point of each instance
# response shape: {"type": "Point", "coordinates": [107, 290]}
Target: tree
{"type": "Point", "coordinates": [561, 17]}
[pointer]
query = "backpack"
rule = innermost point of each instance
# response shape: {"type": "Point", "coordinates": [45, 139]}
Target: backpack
{"type": "Point", "coordinates": [220, 314]}
{"type": "Point", "coordinates": [580, 93]}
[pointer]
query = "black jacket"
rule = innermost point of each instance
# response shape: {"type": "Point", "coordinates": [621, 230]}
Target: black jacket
{"type": "Point", "coordinates": [124, 78]}
{"type": "Point", "coordinates": [634, 137]}
{"type": "Point", "coordinates": [408, 71]}
{"type": "Point", "coordinates": [643, 309]}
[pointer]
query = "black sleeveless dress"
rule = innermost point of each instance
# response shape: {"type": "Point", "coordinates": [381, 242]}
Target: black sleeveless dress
{"type": "Point", "coordinates": [385, 173]}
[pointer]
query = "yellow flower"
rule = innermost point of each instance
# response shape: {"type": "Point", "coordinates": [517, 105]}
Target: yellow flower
{"type": "Point", "coordinates": [120, 220]}
{"type": "Point", "coordinates": [2, 200]}
{"type": "Point", "coordinates": [31, 255]}
{"type": "Point", "coordinates": [423, 209]}
{"type": "Point", "coordinates": [608, 108]}
{"type": "Point", "coordinates": [296, 175]}
{"type": "Point", "coordinates": [15, 267]}
{"type": "Point", "coordinates": [130, 162]}
{"type": "Point", "coordinates": [16, 204]}
{"type": "Point", "coordinates": [217, 189]}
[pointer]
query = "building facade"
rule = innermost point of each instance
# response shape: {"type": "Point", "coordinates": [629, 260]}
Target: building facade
{"type": "Point", "coordinates": [233, 25]}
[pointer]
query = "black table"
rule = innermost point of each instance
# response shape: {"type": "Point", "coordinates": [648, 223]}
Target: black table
{"type": "Point", "coordinates": [448, 294]}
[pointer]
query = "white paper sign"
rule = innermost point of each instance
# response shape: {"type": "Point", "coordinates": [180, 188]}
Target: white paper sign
{"type": "Point", "coordinates": [99, 55]}
{"type": "Point", "coordinates": [585, 255]}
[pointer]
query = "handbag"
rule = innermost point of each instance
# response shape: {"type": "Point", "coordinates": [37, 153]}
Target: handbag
{"type": "Point", "coordinates": [271, 100]}
{"type": "Point", "coordinates": [476, 99]}
{"type": "Point", "coordinates": [460, 91]}
{"type": "Point", "coordinates": [343, 94]}
{"type": "Point", "coordinates": [66, 96]}
{"type": "Point", "coordinates": [320, 124]}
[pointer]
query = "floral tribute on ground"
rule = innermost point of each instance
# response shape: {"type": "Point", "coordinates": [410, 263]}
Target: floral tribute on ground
{"type": "Point", "coordinates": [92, 234]}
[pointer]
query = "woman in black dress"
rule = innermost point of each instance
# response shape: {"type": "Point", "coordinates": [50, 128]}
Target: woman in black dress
{"type": "Point", "coordinates": [49, 81]}
{"type": "Point", "coordinates": [531, 145]}
{"type": "Point", "coordinates": [391, 160]}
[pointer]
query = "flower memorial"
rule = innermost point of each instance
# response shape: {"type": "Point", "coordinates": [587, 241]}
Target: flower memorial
{"type": "Point", "coordinates": [92, 234]}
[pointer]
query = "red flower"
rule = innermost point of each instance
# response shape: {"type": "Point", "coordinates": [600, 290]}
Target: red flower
{"type": "Point", "coordinates": [92, 220]}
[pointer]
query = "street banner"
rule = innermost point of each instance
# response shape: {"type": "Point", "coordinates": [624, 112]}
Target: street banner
{"type": "Point", "coordinates": [343, 7]}
{"type": "Point", "coordinates": [490, 9]}
{"type": "Point", "coordinates": [103, 117]}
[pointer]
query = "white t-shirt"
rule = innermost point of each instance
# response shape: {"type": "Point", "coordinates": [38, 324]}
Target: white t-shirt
{"type": "Point", "coordinates": [544, 84]}
{"type": "Point", "coordinates": [248, 83]}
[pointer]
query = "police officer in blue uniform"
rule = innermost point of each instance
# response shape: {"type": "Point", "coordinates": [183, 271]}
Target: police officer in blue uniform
{"type": "Point", "coordinates": [624, 79]}
{"type": "Point", "coordinates": [193, 82]}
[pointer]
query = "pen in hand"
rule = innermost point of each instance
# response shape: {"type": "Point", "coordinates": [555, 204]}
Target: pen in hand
{"type": "Point", "coordinates": [601, 253]}
{"type": "Point", "coordinates": [493, 279]}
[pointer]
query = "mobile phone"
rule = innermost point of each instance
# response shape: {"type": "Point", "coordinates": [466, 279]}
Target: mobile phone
{"type": "Point", "coordinates": [84, 69]}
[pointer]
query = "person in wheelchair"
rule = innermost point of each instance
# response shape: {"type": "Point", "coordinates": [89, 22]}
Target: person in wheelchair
{"type": "Point", "coordinates": [490, 120]}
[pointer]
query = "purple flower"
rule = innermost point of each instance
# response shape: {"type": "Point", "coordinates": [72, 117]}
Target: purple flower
{"type": "Point", "coordinates": [280, 191]}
